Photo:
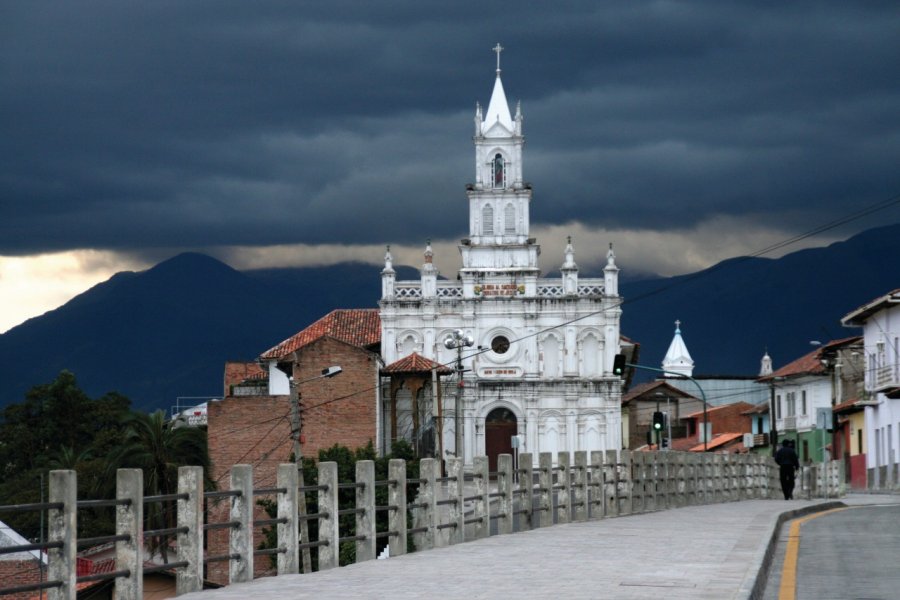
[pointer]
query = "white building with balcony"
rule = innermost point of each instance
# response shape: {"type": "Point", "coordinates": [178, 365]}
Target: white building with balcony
{"type": "Point", "coordinates": [540, 366]}
{"type": "Point", "coordinates": [880, 320]}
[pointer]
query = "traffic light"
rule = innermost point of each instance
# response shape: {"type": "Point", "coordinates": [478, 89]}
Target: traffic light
{"type": "Point", "coordinates": [659, 421]}
{"type": "Point", "coordinates": [619, 364]}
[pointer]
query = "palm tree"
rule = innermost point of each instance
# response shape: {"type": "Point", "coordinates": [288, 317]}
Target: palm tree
{"type": "Point", "coordinates": [153, 445]}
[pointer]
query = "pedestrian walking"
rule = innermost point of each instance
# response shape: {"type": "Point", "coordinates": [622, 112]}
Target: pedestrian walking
{"type": "Point", "coordinates": [788, 465]}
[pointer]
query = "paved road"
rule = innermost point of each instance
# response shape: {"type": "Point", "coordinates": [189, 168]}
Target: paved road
{"type": "Point", "coordinates": [700, 552]}
{"type": "Point", "coordinates": [850, 553]}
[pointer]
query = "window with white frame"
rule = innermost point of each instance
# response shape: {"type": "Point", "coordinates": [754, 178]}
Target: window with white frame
{"type": "Point", "coordinates": [791, 404]}
{"type": "Point", "coordinates": [487, 220]}
{"type": "Point", "coordinates": [509, 219]}
{"type": "Point", "coordinates": [803, 402]}
{"type": "Point", "coordinates": [778, 406]}
{"type": "Point", "coordinates": [498, 171]}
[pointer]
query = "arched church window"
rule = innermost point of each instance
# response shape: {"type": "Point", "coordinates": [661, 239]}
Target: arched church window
{"type": "Point", "coordinates": [487, 220]}
{"type": "Point", "coordinates": [509, 219]}
{"type": "Point", "coordinates": [499, 171]}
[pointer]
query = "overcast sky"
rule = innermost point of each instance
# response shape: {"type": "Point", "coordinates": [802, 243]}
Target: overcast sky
{"type": "Point", "coordinates": [272, 133]}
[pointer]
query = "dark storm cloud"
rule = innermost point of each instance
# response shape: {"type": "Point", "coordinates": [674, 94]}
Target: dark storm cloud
{"type": "Point", "coordinates": [136, 126]}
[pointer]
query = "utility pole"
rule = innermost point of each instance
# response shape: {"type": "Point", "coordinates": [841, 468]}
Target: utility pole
{"type": "Point", "coordinates": [458, 341]}
{"type": "Point", "coordinates": [296, 425]}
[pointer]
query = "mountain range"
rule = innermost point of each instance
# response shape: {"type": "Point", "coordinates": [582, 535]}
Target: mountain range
{"type": "Point", "coordinates": [166, 332]}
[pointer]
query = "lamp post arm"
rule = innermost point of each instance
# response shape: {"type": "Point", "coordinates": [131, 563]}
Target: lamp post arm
{"type": "Point", "coordinates": [688, 377]}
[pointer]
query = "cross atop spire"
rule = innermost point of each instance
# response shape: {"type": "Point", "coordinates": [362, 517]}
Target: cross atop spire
{"type": "Point", "coordinates": [498, 49]}
{"type": "Point", "coordinates": [677, 326]}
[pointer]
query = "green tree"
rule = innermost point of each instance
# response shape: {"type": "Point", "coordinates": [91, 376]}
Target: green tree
{"type": "Point", "coordinates": [58, 426]}
{"type": "Point", "coordinates": [152, 444]}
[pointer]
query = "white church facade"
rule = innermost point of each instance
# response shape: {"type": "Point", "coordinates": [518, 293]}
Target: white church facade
{"type": "Point", "coordinates": [540, 364]}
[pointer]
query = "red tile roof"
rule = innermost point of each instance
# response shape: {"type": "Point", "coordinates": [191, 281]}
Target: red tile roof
{"type": "Point", "coordinates": [660, 385]}
{"type": "Point", "coordinates": [356, 326]}
{"type": "Point", "coordinates": [745, 405]}
{"type": "Point", "coordinates": [719, 439]}
{"type": "Point", "coordinates": [811, 363]}
{"type": "Point", "coordinates": [416, 363]}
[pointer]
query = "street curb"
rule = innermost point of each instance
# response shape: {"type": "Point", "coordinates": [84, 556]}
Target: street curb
{"type": "Point", "coordinates": [754, 585]}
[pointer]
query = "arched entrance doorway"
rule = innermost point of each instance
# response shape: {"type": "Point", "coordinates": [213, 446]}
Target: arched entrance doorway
{"type": "Point", "coordinates": [499, 427]}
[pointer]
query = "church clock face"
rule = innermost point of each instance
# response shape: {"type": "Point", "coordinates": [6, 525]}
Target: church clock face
{"type": "Point", "coordinates": [500, 344]}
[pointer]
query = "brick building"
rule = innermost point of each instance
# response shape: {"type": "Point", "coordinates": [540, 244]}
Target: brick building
{"type": "Point", "coordinates": [256, 429]}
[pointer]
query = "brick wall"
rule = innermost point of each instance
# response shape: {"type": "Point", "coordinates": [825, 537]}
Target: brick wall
{"type": "Point", "coordinates": [256, 430]}
{"type": "Point", "coordinates": [19, 572]}
{"type": "Point", "coordinates": [236, 372]}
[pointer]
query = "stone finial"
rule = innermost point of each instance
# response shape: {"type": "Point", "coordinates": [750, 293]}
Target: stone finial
{"type": "Point", "coordinates": [569, 255]}
{"type": "Point", "coordinates": [429, 254]}
{"type": "Point", "coordinates": [611, 256]}
{"type": "Point", "coordinates": [388, 259]}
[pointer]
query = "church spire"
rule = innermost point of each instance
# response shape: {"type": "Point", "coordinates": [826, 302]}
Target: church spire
{"type": "Point", "coordinates": [765, 365]}
{"type": "Point", "coordinates": [498, 107]}
{"type": "Point", "coordinates": [678, 360]}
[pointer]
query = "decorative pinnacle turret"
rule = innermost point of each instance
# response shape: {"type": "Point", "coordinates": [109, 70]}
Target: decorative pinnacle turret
{"type": "Point", "coordinates": [388, 259]}
{"type": "Point", "coordinates": [610, 256]}
{"type": "Point", "coordinates": [428, 252]}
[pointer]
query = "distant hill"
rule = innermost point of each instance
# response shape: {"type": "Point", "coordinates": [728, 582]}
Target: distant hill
{"type": "Point", "coordinates": [167, 332]}
{"type": "Point", "coordinates": [732, 312]}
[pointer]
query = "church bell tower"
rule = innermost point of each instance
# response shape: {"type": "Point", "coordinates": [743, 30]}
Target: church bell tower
{"type": "Point", "coordinates": [499, 199]}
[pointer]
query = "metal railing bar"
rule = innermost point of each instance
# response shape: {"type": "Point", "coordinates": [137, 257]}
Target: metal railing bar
{"type": "Point", "coordinates": [312, 488]}
{"type": "Point", "coordinates": [352, 538]}
{"type": "Point", "coordinates": [387, 507]}
{"type": "Point", "coordinates": [351, 511]}
{"type": "Point", "coordinates": [448, 501]}
{"type": "Point", "coordinates": [264, 551]}
{"type": "Point", "coordinates": [444, 479]}
{"type": "Point", "coordinates": [27, 547]}
{"type": "Point", "coordinates": [165, 497]}
{"type": "Point", "coordinates": [222, 525]}
{"type": "Point", "coordinates": [313, 544]}
{"type": "Point", "coordinates": [102, 576]}
{"type": "Point", "coordinates": [106, 502]}
{"type": "Point", "coordinates": [472, 520]}
{"type": "Point", "coordinates": [386, 482]}
{"type": "Point", "coordinates": [32, 506]}
{"type": "Point", "coordinates": [172, 565]}
{"type": "Point", "coordinates": [385, 534]}
{"type": "Point", "coordinates": [496, 494]}
{"type": "Point", "coordinates": [92, 541]}
{"type": "Point", "coordinates": [417, 530]}
{"type": "Point", "coordinates": [30, 587]}
{"type": "Point", "coordinates": [223, 494]}
{"type": "Point", "coordinates": [222, 557]}
{"type": "Point", "coordinates": [264, 522]}
{"type": "Point", "coordinates": [348, 486]}
{"type": "Point", "coordinates": [167, 531]}
{"type": "Point", "coordinates": [271, 490]}
{"type": "Point", "coordinates": [446, 526]}
{"type": "Point", "coordinates": [310, 517]}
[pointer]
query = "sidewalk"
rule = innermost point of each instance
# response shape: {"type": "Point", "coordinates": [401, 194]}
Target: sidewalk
{"type": "Point", "coordinates": [698, 552]}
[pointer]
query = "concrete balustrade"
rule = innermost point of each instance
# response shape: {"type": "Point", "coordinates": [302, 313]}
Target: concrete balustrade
{"type": "Point", "coordinates": [459, 507]}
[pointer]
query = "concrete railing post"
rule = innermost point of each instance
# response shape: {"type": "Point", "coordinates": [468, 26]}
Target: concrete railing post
{"type": "Point", "coordinates": [482, 510]}
{"type": "Point", "coordinates": [526, 489]}
{"type": "Point", "coordinates": [397, 498]}
{"type": "Point", "coordinates": [288, 532]}
{"type": "Point", "coordinates": [681, 479]}
{"type": "Point", "coordinates": [456, 492]}
{"type": "Point", "coordinates": [544, 516]}
{"type": "Point", "coordinates": [505, 488]}
{"type": "Point", "coordinates": [130, 521]}
{"type": "Point", "coordinates": [563, 489]}
{"type": "Point", "coordinates": [365, 504]}
{"type": "Point", "coordinates": [611, 488]}
{"type": "Point", "coordinates": [240, 538]}
{"type": "Point", "coordinates": [189, 543]}
{"type": "Point", "coordinates": [580, 487]}
{"type": "Point", "coordinates": [625, 483]}
{"type": "Point", "coordinates": [329, 522]}
{"type": "Point", "coordinates": [664, 490]}
{"type": "Point", "coordinates": [638, 480]}
{"type": "Point", "coordinates": [427, 496]}
{"type": "Point", "coordinates": [62, 528]}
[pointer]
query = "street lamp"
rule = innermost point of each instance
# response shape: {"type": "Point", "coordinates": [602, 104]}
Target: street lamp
{"type": "Point", "coordinates": [458, 340]}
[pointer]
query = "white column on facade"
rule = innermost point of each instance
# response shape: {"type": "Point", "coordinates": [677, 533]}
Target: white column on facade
{"type": "Point", "coordinates": [571, 367]}
{"type": "Point", "coordinates": [572, 437]}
